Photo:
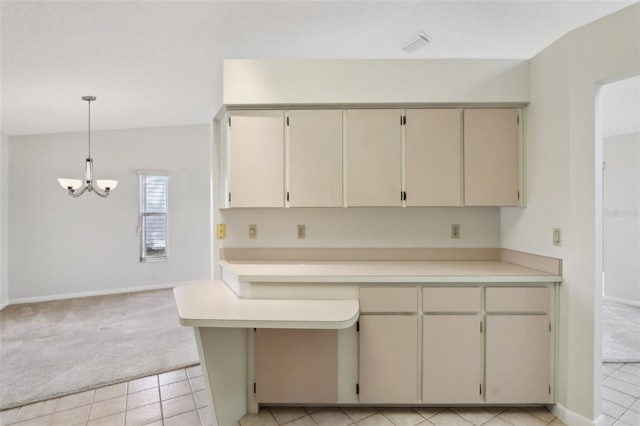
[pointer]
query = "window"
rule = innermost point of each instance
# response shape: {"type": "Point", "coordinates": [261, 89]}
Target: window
{"type": "Point", "coordinates": [152, 226]}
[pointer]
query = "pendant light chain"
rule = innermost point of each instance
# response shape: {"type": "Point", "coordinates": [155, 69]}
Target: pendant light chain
{"type": "Point", "coordinates": [89, 128]}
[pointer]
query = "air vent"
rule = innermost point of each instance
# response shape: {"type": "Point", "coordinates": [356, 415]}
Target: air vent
{"type": "Point", "coordinates": [421, 39]}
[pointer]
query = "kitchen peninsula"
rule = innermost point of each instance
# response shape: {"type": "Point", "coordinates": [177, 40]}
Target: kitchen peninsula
{"type": "Point", "coordinates": [476, 329]}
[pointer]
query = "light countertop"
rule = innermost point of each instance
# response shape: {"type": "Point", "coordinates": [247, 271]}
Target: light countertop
{"type": "Point", "coordinates": [213, 304]}
{"type": "Point", "coordinates": [383, 271]}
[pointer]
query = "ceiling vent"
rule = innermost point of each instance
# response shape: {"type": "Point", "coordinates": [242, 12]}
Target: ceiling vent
{"type": "Point", "coordinates": [421, 39]}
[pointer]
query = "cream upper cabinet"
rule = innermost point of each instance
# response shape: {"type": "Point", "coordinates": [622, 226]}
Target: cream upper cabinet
{"type": "Point", "coordinates": [433, 139]}
{"type": "Point", "coordinates": [374, 157]}
{"type": "Point", "coordinates": [491, 157]}
{"type": "Point", "coordinates": [315, 158]}
{"type": "Point", "coordinates": [255, 153]}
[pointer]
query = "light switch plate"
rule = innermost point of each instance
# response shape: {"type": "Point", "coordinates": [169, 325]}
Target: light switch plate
{"type": "Point", "coordinates": [557, 236]}
{"type": "Point", "coordinates": [455, 232]}
{"type": "Point", "coordinates": [302, 232]}
{"type": "Point", "coordinates": [253, 231]}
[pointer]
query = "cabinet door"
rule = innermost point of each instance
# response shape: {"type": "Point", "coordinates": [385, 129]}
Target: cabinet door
{"type": "Point", "coordinates": [451, 359]}
{"type": "Point", "coordinates": [388, 359]}
{"type": "Point", "coordinates": [296, 366]}
{"type": "Point", "coordinates": [517, 359]}
{"type": "Point", "coordinates": [433, 157]}
{"type": "Point", "coordinates": [315, 158]}
{"type": "Point", "coordinates": [491, 140]}
{"type": "Point", "coordinates": [374, 163]}
{"type": "Point", "coordinates": [256, 159]}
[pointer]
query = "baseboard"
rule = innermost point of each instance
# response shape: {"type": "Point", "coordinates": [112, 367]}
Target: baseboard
{"type": "Point", "coordinates": [621, 300]}
{"type": "Point", "coordinates": [572, 418]}
{"type": "Point", "coordinates": [93, 293]}
{"type": "Point", "coordinates": [4, 305]}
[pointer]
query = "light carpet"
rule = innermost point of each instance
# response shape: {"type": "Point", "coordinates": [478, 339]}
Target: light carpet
{"type": "Point", "coordinates": [50, 349]}
{"type": "Point", "coordinates": [620, 332]}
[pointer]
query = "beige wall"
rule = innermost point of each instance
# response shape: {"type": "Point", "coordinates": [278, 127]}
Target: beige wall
{"type": "Point", "coordinates": [564, 156]}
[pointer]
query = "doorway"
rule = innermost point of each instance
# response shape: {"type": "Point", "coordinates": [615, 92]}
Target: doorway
{"type": "Point", "coordinates": [620, 126]}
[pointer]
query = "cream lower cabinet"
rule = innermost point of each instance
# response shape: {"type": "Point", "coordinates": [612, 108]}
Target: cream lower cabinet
{"type": "Point", "coordinates": [388, 359]}
{"type": "Point", "coordinates": [296, 366]}
{"type": "Point", "coordinates": [388, 346]}
{"type": "Point", "coordinates": [518, 337]}
{"type": "Point", "coordinates": [451, 346]}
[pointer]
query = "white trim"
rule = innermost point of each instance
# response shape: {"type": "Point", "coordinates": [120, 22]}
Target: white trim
{"type": "Point", "coordinates": [95, 293]}
{"type": "Point", "coordinates": [144, 172]}
{"type": "Point", "coordinates": [621, 300]}
{"type": "Point", "coordinates": [4, 305]}
{"type": "Point", "coordinates": [572, 418]}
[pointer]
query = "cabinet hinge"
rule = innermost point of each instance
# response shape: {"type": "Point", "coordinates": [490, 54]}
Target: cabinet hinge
{"type": "Point", "coordinates": [517, 119]}
{"type": "Point", "coordinates": [357, 326]}
{"type": "Point", "coordinates": [480, 388]}
{"type": "Point", "coordinates": [287, 195]}
{"type": "Point", "coordinates": [229, 197]}
{"type": "Point", "coordinates": [287, 121]}
{"type": "Point", "coordinates": [480, 326]}
{"type": "Point", "coordinates": [518, 195]}
{"type": "Point", "coordinates": [404, 120]}
{"type": "Point", "coordinates": [254, 387]}
{"type": "Point", "coordinates": [229, 121]}
{"type": "Point", "coordinates": [549, 326]}
{"type": "Point", "coordinates": [549, 389]}
{"type": "Point", "coordinates": [357, 389]}
{"type": "Point", "coordinates": [403, 196]}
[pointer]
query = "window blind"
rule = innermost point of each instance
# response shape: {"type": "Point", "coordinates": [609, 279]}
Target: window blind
{"type": "Point", "coordinates": [153, 216]}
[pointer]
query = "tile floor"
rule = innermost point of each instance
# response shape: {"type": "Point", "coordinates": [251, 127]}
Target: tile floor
{"type": "Point", "coordinates": [621, 394]}
{"type": "Point", "coordinates": [178, 398]}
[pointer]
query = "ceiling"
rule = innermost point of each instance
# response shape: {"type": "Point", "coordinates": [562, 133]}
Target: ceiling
{"type": "Point", "coordinates": [156, 63]}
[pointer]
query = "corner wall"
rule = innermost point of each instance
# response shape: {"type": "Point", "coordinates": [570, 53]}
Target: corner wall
{"type": "Point", "coordinates": [64, 247]}
{"type": "Point", "coordinates": [564, 187]}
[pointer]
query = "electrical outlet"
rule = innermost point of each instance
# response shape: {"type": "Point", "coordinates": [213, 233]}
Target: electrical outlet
{"type": "Point", "coordinates": [253, 231]}
{"type": "Point", "coordinates": [455, 232]}
{"type": "Point", "coordinates": [302, 233]}
{"type": "Point", "coordinates": [221, 231]}
{"type": "Point", "coordinates": [557, 236]}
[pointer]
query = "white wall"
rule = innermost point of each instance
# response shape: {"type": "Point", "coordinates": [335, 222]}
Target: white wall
{"type": "Point", "coordinates": [357, 82]}
{"type": "Point", "coordinates": [564, 187]}
{"type": "Point", "coordinates": [622, 218]}
{"type": "Point", "coordinates": [364, 227]}
{"type": "Point", "coordinates": [61, 246]}
{"type": "Point", "coordinates": [4, 220]}
{"type": "Point", "coordinates": [343, 81]}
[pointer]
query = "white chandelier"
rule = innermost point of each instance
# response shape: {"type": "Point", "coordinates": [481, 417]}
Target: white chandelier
{"type": "Point", "coordinates": [77, 187]}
